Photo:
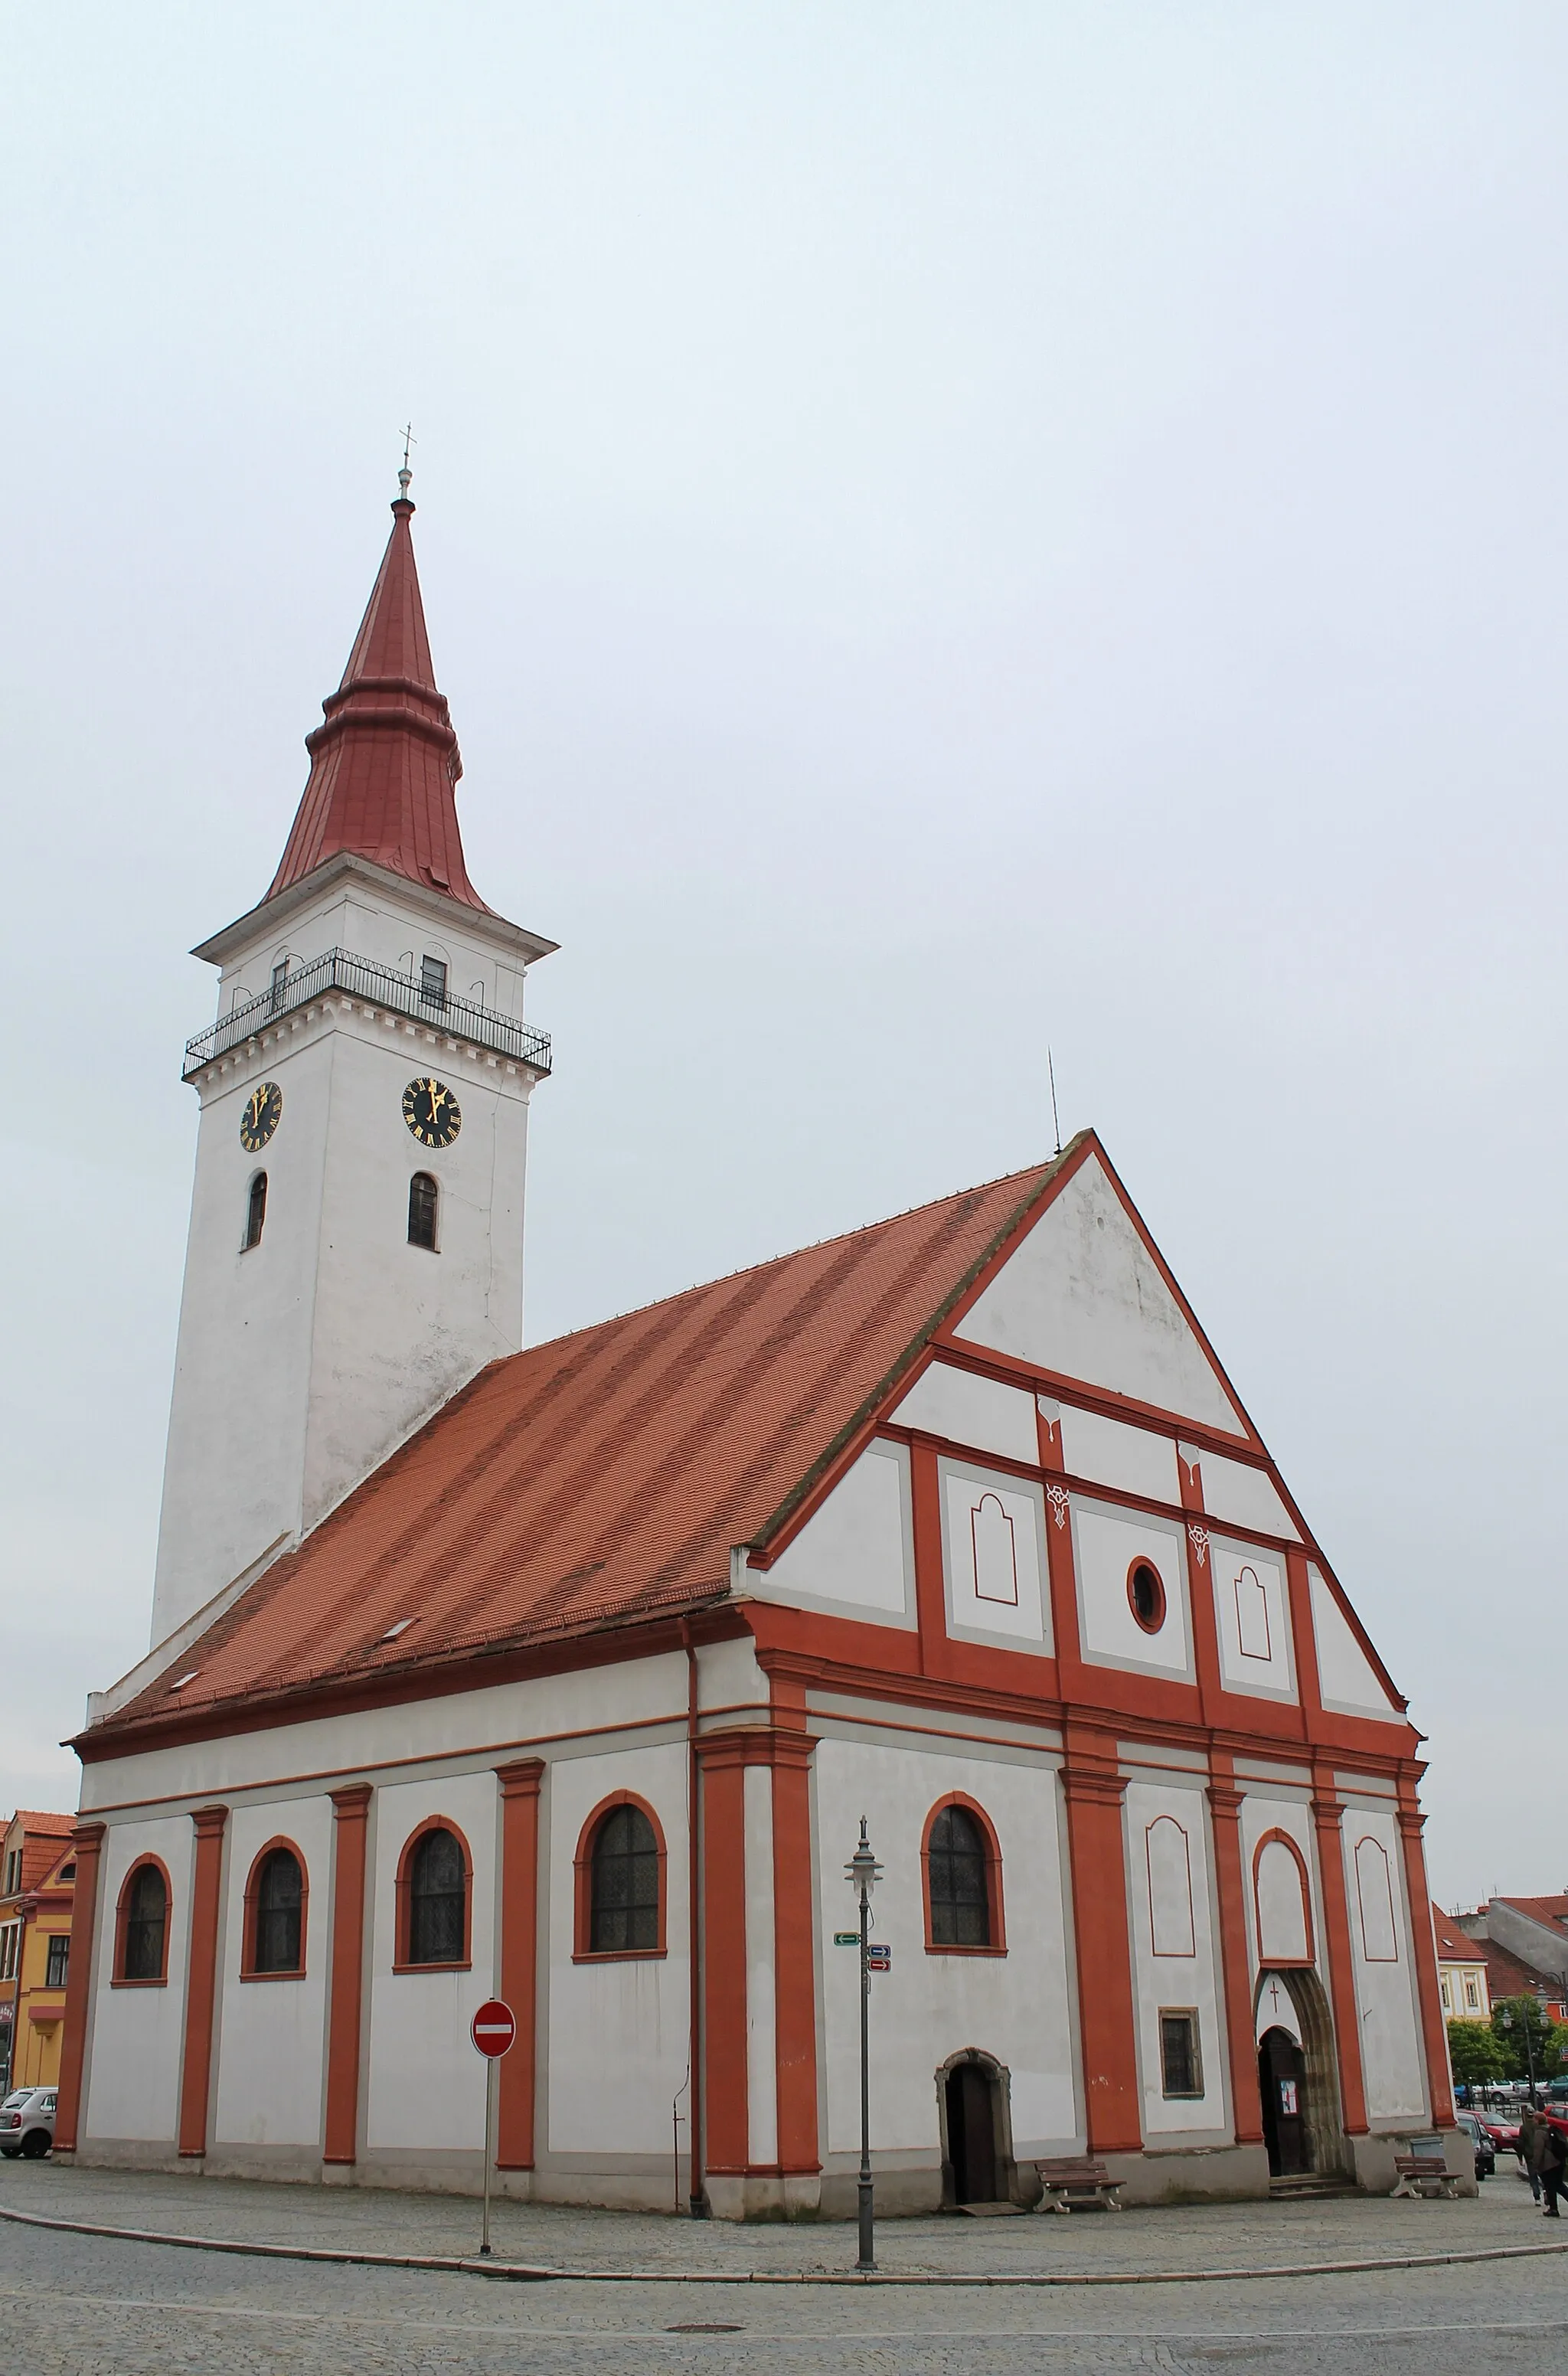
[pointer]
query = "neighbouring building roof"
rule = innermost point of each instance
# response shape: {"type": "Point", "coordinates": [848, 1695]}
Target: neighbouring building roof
{"type": "Point", "coordinates": [385, 760]}
{"type": "Point", "coordinates": [1453, 1946]}
{"type": "Point", "coordinates": [42, 1833]}
{"type": "Point", "coordinates": [1509, 1976]}
{"type": "Point", "coordinates": [602, 1478]}
{"type": "Point", "coordinates": [1551, 1913]}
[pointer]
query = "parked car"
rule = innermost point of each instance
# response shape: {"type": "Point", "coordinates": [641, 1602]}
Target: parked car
{"type": "Point", "coordinates": [1486, 2153]}
{"type": "Point", "coordinates": [1505, 2133]}
{"type": "Point", "coordinates": [27, 2123]}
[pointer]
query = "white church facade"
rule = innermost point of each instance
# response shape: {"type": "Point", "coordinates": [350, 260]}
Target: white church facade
{"type": "Point", "coordinates": [566, 1673]}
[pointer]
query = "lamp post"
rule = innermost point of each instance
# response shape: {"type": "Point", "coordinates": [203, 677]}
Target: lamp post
{"type": "Point", "coordinates": [863, 1872]}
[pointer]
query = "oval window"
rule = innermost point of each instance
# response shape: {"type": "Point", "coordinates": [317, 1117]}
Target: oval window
{"type": "Point", "coordinates": [1146, 1595]}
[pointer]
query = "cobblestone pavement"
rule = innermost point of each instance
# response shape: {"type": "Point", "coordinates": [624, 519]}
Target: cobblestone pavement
{"type": "Point", "coordinates": [89, 2306]}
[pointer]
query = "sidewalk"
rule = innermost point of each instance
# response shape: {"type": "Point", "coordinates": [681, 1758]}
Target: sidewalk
{"type": "Point", "coordinates": [1203, 2240]}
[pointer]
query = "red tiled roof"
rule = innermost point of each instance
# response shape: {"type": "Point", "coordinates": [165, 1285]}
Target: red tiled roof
{"type": "Point", "coordinates": [1453, 1946]}
{"type": "Point", "coordinates": [1550, 1912]}
{"type": "Point", "coordinates": [1508, 1975]}
{"type": "Point", "coordinates": [385, 760]}
{"type": "Point", "coordinates": [32, 1820]}
{"type": "Point", "coordinates": [605, 1476]}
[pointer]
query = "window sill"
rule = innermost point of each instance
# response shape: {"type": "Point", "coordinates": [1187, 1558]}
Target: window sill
{"type": "Point", "coordinates": [465, 1966]}
{"type": "Point", "coordinates": [932, 1949]}
{"type": "Point", "coordinates": [619, 1954]}
{"type": "Point", "coordinates": [162, 1983]}
{"type": "Point", "coordinates": [298, 1974]}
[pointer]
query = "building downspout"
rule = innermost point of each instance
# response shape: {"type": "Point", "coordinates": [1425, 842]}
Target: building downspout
{"type": "Point", "coordinates": [697, 2201]}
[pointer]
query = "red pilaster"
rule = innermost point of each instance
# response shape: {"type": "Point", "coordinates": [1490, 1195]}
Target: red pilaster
{"type": "Point", "coordinates": [724, 1953]}
{"type": "Point", "coordinates": [1094, 1791]}
{"type": "Point", "coordinates": [86, 1844]}
{"type": "Point", "coordinates": [931, 1598]}
{"type": "Point", "coordinates": [1229, 1882]}
{"type": "Point", "coordinates": [1434, 2030]}
{"type": "Point", "coordinates": [520, 1958]}
{"type": "Point", "coordinates": [1059, 1561]}
{"type": "Point", "coordinates": [1200, 1599]}
{"type": "Point", "coordinates": [1328, 1812]}
{"type": "Point", "coordinates": [201, 1981]}
{"type": "Point", "coordinates": [795, 1958]}
{"type": "Point", "coordinates": [351, 1809]}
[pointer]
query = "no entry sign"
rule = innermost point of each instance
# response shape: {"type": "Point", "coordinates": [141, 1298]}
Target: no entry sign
{"type": "Point", "coordinates": [493, 2028]}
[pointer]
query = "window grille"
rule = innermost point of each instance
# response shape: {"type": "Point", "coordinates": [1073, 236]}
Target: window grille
{"type": "Point", "coordinates": [147, 1913]}
{"type": "Point", "coordinates": [437, 1901]}
{"type": "Point", "coordinates": [280, 1897]}
{"type": "Point", "coordinates": [432, 981]}
{"type": "Point", "coordinates": [625, 1884]}
{"type": "Point", "coordinates": [1180, 2072]}
{"type": "Point", "coordinates": [956, 1866]}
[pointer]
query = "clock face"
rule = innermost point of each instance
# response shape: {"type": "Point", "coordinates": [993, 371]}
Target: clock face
{"type": "Point", "coordinates": [260, 1116]}
{"type": "Point", "coordinates": [431, 1112]}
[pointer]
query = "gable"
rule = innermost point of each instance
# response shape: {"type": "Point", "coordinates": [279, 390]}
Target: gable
{"type": "Point", "coordinates": [1348, 1682]}
{"type": "Point", "coordinates": [1084, 1297]}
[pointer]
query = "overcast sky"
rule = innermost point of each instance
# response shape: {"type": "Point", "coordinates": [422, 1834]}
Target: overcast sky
{"type": "Point", "coordinates": [947, 530]}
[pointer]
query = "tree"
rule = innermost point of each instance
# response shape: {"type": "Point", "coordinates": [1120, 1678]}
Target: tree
{"type": "Point", "coordinates": [1517, 2019]}
{"type": "Point", "coordinates": [1475, 2053]}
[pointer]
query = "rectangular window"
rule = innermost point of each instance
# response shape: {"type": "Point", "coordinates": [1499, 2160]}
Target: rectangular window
{"type": "Point", "coordinates": [13, 1872]}
{"type": "Point", "coordinates": [9, 1952]}
{"type": "Point", "coordinates": [59, 1956]}
{"type": "Point", "coordinates": [1472, 1996]}
{"type": "Point", "coordinates": [1447, 2001]}
{"type": "Point", "coordinates": [1181, 2071]}
{"type": "Point", "coordinates": [432, 981]}
{"type": "Point", "coordinates": [279, 976]}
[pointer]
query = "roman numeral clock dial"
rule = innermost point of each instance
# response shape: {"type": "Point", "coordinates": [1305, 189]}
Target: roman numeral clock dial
{"type": "Point", "coordinates": [431, 1112]}
{"type": "Point", "coordinates": [259, 1116]}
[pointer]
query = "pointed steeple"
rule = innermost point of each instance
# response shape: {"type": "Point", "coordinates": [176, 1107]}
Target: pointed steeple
{"type": "Point", "coordinates": [385, 760]}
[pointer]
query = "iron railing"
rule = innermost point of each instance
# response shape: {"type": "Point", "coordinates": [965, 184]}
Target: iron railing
{"type": "Point", "coordinates": [403, 993]}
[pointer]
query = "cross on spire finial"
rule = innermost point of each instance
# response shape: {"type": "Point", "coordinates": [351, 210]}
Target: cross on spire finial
{"type": "Point", "coordinates": [405, 474]}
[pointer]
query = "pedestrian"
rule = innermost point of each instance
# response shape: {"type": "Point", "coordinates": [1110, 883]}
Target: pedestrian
{"type": "Point", "coordinates": [1553, 2166]}
{"type": "Point", "coordinates": [1528, 2149]}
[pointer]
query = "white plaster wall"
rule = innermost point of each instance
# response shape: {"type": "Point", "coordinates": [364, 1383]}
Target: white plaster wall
{"type": "Point", "coordinates": [273, 2032]}
{"type": "Point", "coordinates": [617, 2033]}
{"type": "Point", "coordinates": [762, 2019]}
{"type": "Point", "coordinates": [1253, 1612]}
{"type": "Point", "coordinates": [1347, 1677]}
{"type": "Point", "coordinates": [929, 2007]}
{"type": "Point", "coordinates": [1263, 1813]}
{"type": "Point", "coordinates": [1169, 1978]}
{"type": "Point", "coordinates": [1132, 1459]}
{"type": "Point", "coordinates": [857, 1552]}
{"type": "Point", "coordinates": [134, 2082]}
{"type": "Point", "coordinates": [972, 1410]}
{"type": "Point", "coordinates": [1380, 1952]}
{"type": "Point", "coordinates": [1244, 1497]}
{"type": "Point", "coordinates": [994, 1541]}
{"type": "Point", "coordinates": [505, 1717]}
{"type": "Point", "coordinates": [1105, 1545]}
{"type": "Point", "coordinates": [426, 2084]}
{"type": "Point", "coordinates": [1083, 1297]}
{"type": "Point", "coordinates": [321, 1348]}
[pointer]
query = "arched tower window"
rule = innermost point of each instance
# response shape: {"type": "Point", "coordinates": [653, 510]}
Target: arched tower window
{"type": "Point", "coordinates": [963, 1880]}
{"type": "Point", "coordinates": [436, 1879]}
{"type": "Point", "coordinates": [277, 1920]}
{"type": "Point", "coordinates": [256, 1212]}
{"type": "Point", "coordinates": [421, 1211]}
{"type": "Point", "coordinates": [625, 1884]}
{"type": "Point", "coordinates": [144, 1924]}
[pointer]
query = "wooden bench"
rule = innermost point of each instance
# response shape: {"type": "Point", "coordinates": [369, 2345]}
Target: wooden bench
{"type": "Point", "coordinates": [1414, 2173]}
{"type": "Point", "coordinates": [1077, 2182]}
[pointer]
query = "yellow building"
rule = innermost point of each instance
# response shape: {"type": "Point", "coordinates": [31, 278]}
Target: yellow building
{"type": "Point", "coordinates": [1461, 1972]}
{"type": "Point", "coordinates": [38, 1877]}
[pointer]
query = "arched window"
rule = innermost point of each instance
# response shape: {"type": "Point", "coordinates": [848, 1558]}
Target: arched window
{"type": "Point", "coordinates": [963, 1881]}
{"type": "Point", "coordinates": [421, 1211]}
{"type": "Point", "coordinates": [278, 1906]}
{"type": "Point", "coordinates": [621, 1881]}
{"type": "Point", "coordinates": [256, 1212]}
{"type": "Point", "coordinates": [144, 1923]}
{"type": "Point", "coordinates": [435, 1888]}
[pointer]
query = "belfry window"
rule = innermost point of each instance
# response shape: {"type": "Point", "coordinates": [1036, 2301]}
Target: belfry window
{"type": "Point", "coordinates": [625, 1884]}
{"type": "Point", "coordinates": [256, 1212]}
{"type": "Point", "coordinates": [279, 982]}
{"type": "Point", "coordinates": [432, 981]}
{"type": "Point", "coordinates": [960, 1900]}
{"type": "Point", "coordinates": [421, 1211]}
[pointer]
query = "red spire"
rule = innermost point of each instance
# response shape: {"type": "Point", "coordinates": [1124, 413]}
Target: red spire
{"type": "Point", "coordinates": [385, 760]}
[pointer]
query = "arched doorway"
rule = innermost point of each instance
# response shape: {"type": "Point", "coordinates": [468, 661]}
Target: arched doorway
{"type": "Point", "coordinates": [977, 2130]}
{"type": "Point", "coordinates": [1282, 2086]}
{"type": "Point", "coordinates": [1296, 2046]}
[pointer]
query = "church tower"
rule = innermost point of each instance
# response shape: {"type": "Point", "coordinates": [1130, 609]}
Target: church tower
{"type": "Point", "coordinates": [356, 1239]}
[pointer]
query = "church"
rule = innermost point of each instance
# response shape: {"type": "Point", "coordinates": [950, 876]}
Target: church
{"type": "Point", "coordinates": [566, 1672]}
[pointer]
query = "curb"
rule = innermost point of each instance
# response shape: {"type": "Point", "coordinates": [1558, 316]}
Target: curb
{"type": "Point", "coordinates": [522, 2272]}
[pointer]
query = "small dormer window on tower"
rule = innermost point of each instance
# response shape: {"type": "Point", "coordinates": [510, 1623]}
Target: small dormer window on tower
{"type": "Point", "coordinates": [433, 981]}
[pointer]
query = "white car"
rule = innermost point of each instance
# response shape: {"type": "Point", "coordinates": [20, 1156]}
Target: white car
{"type": "Point", "coordinates": [27, 2123]}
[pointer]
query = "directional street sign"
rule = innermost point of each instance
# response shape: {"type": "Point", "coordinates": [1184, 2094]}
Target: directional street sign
{"type": "Point", "coordinates": [493, 2028]}
{"type": "Point", "coordinates": [845, 1938]}
{"type": "Point", "coordinates": [879, 1959]}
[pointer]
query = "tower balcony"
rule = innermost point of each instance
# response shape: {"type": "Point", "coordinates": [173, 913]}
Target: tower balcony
{"type": "Point", "coordinates": [378, 985]}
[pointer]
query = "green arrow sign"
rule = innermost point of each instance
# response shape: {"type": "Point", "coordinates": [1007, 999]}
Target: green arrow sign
{"type": "Point", "coordinates": [845, 1938]}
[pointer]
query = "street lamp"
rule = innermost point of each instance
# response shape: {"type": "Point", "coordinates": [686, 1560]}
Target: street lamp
{"type": "Point", "coordinates": [863, 1872]}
